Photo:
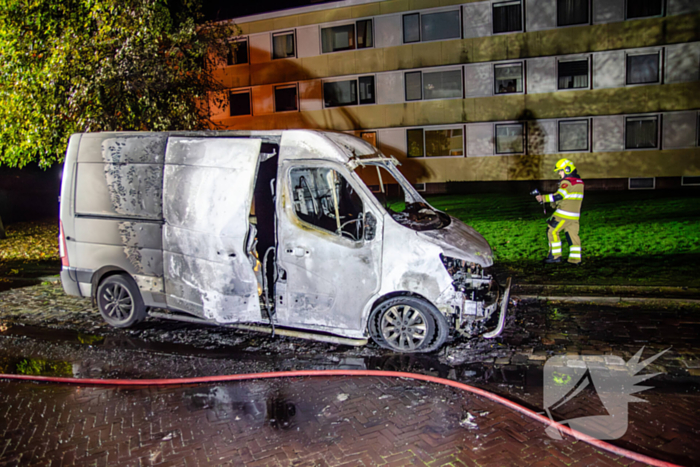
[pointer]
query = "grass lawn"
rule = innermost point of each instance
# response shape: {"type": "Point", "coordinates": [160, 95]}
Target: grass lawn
{"type": "Point", "coordinates": [627, 238]}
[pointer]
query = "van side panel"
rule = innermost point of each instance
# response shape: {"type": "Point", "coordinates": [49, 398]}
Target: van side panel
{"type": "Point", "coordinates": [118, 209]}
{"type": "Point", "coordinates": [208, 186]}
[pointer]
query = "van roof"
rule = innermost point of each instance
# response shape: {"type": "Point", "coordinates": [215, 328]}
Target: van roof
{"type": "Point", "coordinates": [330, 145]}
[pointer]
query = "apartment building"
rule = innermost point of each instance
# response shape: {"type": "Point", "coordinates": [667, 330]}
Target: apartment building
{"type": "Point", "coordinates": [495, 90]}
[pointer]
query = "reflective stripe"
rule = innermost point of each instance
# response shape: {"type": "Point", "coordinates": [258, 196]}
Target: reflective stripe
{"type": "Point", "coordinates": [563, 192]}
{"type": "Point", "coordinates": [556, 252]}
{"type": "Point", "coordinates": [567, 214]}
{"type": "Point", "coordinates": [555, 232]}
{"type": "Point", "coordinates": [575, 255]}
{"type": "Point", "coordinates": [548, 198]}
{"type": "Point", "coordinates": [555, 244]}
{"type": "Point", "coordinates": [574, 196]}
{"type": "Point", "coordinates": [575, 248]}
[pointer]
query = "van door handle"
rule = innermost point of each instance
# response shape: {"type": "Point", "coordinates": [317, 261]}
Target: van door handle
{"type": "Point", "coordinates": [298, 251]}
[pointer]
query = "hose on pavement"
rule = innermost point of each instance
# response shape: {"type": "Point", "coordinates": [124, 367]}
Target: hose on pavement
{"type": "Point", "coordinates": [390, 374]}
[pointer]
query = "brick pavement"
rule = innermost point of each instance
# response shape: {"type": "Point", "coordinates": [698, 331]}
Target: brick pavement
{"type": "Point", "coordinates": [359, 421]}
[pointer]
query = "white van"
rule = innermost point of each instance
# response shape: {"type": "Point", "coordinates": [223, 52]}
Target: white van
{"type": "Point", "coordinates": [274, 229]}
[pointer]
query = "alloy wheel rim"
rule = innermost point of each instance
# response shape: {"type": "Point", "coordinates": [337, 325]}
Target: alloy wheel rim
{"type": "Point", "coordinates": [404, 327]}
{"type": "Point", "coordinates": [116, 302]}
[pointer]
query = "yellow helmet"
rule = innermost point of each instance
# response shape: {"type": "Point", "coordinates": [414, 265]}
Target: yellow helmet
{"type": "Point", "coordinates": [566, 165]}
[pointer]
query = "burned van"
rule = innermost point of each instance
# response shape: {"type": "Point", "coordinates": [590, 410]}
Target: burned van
{"type": "Point", "coordinates": [270, 230]}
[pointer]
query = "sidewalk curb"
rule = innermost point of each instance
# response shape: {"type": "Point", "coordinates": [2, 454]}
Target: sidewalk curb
{"type": "Point", "coordinates": [610, 300]}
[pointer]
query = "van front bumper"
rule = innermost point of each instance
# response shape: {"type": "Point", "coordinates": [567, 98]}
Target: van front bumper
{"type": "Point", "coordinates": [502, 316]}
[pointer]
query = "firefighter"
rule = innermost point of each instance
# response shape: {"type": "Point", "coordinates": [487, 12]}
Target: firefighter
{"type": "Point", "coordinates": [567, 202]}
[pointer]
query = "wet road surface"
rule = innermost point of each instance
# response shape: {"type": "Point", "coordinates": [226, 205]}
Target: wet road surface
{"type": "Point", "coordinates": [44, 332]}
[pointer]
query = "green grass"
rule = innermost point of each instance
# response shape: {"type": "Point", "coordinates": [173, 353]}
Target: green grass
{"type": "Point", "coordinates": [628, 238]}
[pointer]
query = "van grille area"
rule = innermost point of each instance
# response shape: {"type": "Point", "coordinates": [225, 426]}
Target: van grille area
{"type": "Point", "coordinates": [475, 298]}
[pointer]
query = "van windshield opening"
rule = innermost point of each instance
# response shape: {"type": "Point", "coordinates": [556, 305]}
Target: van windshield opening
{"type": "Point", "coordinates": [400, 199]}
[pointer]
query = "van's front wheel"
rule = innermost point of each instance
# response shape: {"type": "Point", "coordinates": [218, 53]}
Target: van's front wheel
{"type": "Point", "coordinates": [120, 302]}
{"type": "Point", "coordinates": [408, 324]}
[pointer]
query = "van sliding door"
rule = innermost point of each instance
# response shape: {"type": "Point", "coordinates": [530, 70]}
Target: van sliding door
{"type": "Point", "coordinates": [207, 192]}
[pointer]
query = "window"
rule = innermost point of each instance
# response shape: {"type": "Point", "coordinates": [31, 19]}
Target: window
{"type": "Point", "coordinates": [238, 52]}
{"type": "Point", "coordinates": [425, 27]}
{"type": "Point", "coordinates": [508, 78]}
{"type": "Point", "coordinates": [433, 85]}
{"type": "Point", "coordinates": [286, 98]}
{"type": "Point", "coordinates": [690, 180]}
{"type": "Point", "coordinates": [370, 137]}
{"type": "Point", "coordinates": [413, 86]}
{"type": "Point", "coordinates": [573, 135]}
{"type": "Point", "coordinates": [644, 8]}
{"type": "Point", "coordinates": [239, 103]}
{"type": "Point", "coordinates": [573, 74]}
{"type": "Point", "coordinates": [337, 93]}
{"type": "Point", "coordinates": [324, 199]}
{"type": "Point", "coordinates": [442, 84]}
{"type": "Point", "coordinates": [643, 69]}
{"type": "Point", "coordinates": [507, 17]}
{"type": "Point", "coordinates": [641, 132]}
{"type": "Point", "coordinates": [338, 38]}
{"type": "Point", "coordinates": [435, 143]}
{"type": "Point", "coordinates": [283, 45]}
{"type": "Point", "coordinates": [646, 183]}
{"type": "Point", "coordinates": [570, 12]}
{"type": "Point", "coordinates": [510, 138]}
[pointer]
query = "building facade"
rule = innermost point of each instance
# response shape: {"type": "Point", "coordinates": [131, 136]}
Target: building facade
{"type": "Point", "coordinates": [494, 90]}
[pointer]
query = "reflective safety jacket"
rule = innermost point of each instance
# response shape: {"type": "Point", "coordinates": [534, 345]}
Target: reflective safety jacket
{"type": "Point", "coordinates": [567, 198]}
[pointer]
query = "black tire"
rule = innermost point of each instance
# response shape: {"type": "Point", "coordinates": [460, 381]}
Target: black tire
{"type": "Point", "coordinates": [408, 325]}
{"type": "Point", "coordinates": [120, 301]}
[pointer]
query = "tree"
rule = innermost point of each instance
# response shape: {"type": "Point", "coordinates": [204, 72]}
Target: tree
{"type": "Point", "coordinates": [70, 66]}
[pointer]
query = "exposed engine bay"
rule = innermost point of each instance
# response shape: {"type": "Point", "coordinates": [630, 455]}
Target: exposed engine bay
{"type": "Point", "coordinates": [474, 298]}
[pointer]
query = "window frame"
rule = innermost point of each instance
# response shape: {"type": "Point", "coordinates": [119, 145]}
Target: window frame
{"type": "Point", "coordinates": [574, 58]}
{"type": "Point", "coordinates": [589, 132]}
{"type": "Point", "coordinates": [293, 32]}
{"type": "Point", "coordinates": [247, 45]}
{"type": "Point", "coordinates": [420, 14]}
{"type": "Point", "coordinates": [629, 183]}
{"type": "Point", "coordinates": [656, 116]}
{"type": "Point", "coordinates": [355, 78]}
{"type": "Point", "coordinates": [437, 128]}
{"type": "Point", "coordinates": [523, 125]}
{"type": "Point", "coordinates": [589, 13]}
{"type": "Point", "coordinates": [522, 17]}
{"type": "Point", "coordinates": [285, 86]}
{"type": "Point", "coordinates": [355, 35]}
{"type": "Point", "coordinates": [349, 179]}
{"type": "Point", "coordinates": [522, 76]}
{"type": "Point", "coordinates": [248, 91]}
{"type": "Point", "coordinates": [659, 64]}
{"type": "Point", "coordinates": [459, 68]}
{"type": "Point", "coordinates": [663, 12]}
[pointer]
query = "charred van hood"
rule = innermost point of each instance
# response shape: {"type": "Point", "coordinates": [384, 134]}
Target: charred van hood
{"type": "Point", "coordinates": [460, 241]}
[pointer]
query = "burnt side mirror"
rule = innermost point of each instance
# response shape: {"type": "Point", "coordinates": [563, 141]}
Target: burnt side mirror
{"type": "Point", "coordinates": [370, 226]}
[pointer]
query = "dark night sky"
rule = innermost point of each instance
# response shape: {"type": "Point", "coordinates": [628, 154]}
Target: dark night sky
{"type": "Point", "coordinates": [221, 10]}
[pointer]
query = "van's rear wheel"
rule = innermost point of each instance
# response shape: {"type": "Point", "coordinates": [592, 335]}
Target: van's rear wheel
{"type": "Point", "coordinates": [408, 324]}
{"type": "Point", "coordinates": [120, 302]}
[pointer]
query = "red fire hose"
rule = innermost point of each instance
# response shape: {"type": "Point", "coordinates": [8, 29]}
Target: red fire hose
{"type": "Point", "coordinates": [391, 374]}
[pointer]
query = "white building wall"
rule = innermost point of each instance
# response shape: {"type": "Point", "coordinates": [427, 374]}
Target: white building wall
{"type": "Point", "coordinates": [479, 80]}
{"type": "Point", "coordinates": [308, 41]}
{"type": "Point", "coordinates": [609, 69]}
{"type": "Point", "coordinates": [608, 133]}
{"type": "Point", "coordinates": [477, 20]}
{"type": "Point", "coordinates": [682, 62]}
{"type": "Point", "coordinates": [681, 7]}
{"type": "Point", "coordinates": [480, 140]}
{"type": "Point", "coordinates": [390, 88]}
{"type": "Point", "coordinates": [388, 31]}
{"type": "Point", "coordinates": [541, 75]}
{"type": "Point", "coordinates": [540, 15]}
{"type": "Point", "coordinates": [608, 11]}
{"type": "Point", "coordinates": [679, 130]}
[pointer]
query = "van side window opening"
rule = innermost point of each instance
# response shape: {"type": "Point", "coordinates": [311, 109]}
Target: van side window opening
{"type": "Point", "coordinates": [408, 209]}
{"type": "Point", "coordinates": [324, 199]}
